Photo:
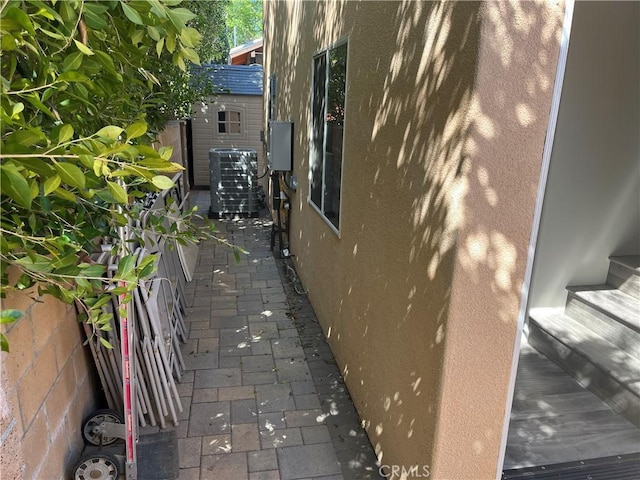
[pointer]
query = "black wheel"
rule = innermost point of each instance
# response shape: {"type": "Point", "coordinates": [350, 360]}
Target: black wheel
{"type": "Point", "coordinates": [97, 466]}
{"type": "Point", "coordinates": [91, 426]}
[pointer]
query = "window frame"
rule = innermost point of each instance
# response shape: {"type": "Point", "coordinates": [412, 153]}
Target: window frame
{"type": "Point", "coordinates": [228, 122]}
{"type": "Point", "coordinates": [320, 209]}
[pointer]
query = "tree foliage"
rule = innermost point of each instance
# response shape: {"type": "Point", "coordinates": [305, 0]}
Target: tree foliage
{"type": "Point", "coordinates": [210, 19]}
{"type": "Point", "coordinates": [184, 87]}
{"type": "Point", "coordinates": [244, 21]}
{"type": "Point", "coordinates": [83, 84]}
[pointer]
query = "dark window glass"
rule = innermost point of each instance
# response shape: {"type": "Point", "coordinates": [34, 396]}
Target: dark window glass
{"type": "Point", "coordinates": [327, 118]}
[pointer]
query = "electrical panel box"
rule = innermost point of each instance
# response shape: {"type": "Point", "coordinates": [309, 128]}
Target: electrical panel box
{"type": "Point", "coordinates": [281, 146]}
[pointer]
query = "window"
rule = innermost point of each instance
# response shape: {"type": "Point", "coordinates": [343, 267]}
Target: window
{"type": "Point", "coordinates": [229, 121]}
{"type": "Point", "coordinates": [272, 96]}
{"type": "Point", "coordinates": [327, 126]}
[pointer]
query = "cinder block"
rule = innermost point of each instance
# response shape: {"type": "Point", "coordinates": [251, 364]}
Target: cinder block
{"type": "Point", "coordinates": [61, 396]}
{"type": "Point", "coordinates": [36, 383]}
{"type": "Point", "coordinates": [57, 457]}
{"type": "Point", "coordinates": [49, 312]}
{"type": "Point", "coordinates": [82, 363]}
{"type": "Point", "coordinates": [36, 439]}
{"type": "Point", "coordinates": [43, 322]}
{"type": "Point", "coordinates": [20, 356]}
{"type": "Point", "coordinates": [67, 336]}
{"type": "Point", "coordinates": [22, 300]}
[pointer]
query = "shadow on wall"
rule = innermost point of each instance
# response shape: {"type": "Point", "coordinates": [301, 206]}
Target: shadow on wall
{"type": "Point", "coordinates": [419, 160]}
{"type": "Point", "coordinates": [416, 125]}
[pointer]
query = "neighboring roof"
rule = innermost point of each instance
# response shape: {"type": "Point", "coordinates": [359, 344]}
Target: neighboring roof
{"type": "Point", "coordinates": [246, 47]}
{"type": "Point", "coordinates": [234, 79]}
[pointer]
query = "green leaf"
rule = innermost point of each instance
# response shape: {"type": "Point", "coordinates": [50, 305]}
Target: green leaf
{"type": "Point", "coordinates": [25, 281]}
{"type": "Point", "coordinates": [36, 165]}
{"type": "Point", "coordinates": [137, 37]}
{"type": "Point", "coordinates": [94, 21]}
{"type": "Point", "coordinates": [159, 46]}
{"type": "Point", "coordinates": [10, 315]}
{"type": "Point", "coordinates": [171, 42]}
{"type": "Point", "coordinates": [51, 184]}
{"type": "Point", "coordinates": [105, 343]}
{"type": "Point", "coordinates": [94, 271]}
{"type": "Point", "coordinates": [158, 9]}
{"type": "Point", "coordinates": [179, 17]}
{"type": "Point", "coordinates": [126, 266]}
{"type": "Point", "coordinates": [72, 76]}
{"type": "Point", "coordinates": [106, 61]}
{"type": "Point", "coordinates": [15, 186]}
{"type": "Point", "coordinates": [72, 61]}
{"type": "Point", "coordinates": [66, 133]}
{"type": "Point", "coordinates": [131, 14]}
{"type": "Point", "coordinates": [39, 263]}
{"type": "Point", "coordinates": [83, 48]}
{"type": "Point", "coordinates": [178, 60]}
{"type": "Point", "coordinates": [118, 192]}
{"type": "Point", "coordinates": [103, 300]}
{"type": "Point", "coordinates": [165, 152]}
{"type": "Point", "coordinates": [16, 109]}
{"type": "Point", "coordinates": [21, 18]}
{"type": "Point", "coordinates": [67, 12]}
{"type": "Point", "coordinates": [136, 130]}
{"type": "Point", "coordinates": [87, 160]}
{"type": "Point", "coordinates": [162, 182]}
{"type": "Point", "coordinates": [190, 37]}
{"type": "Point", "coordinates": [153, 33]}
{"type": "Point", "coordinates": [111, 132]}
{"type": "Point", "coordinates": [191, 55]}
{"type": "Point", "coordinates": [27, 138]}
{"type": "Point", "coordinates": [34, 100]}
{"type": "Point", "coordinates": [65, 195]}
{"type": "Point", "coordinates": [4, 344]}
{"type": "Point", "coordinates": [70, 174]}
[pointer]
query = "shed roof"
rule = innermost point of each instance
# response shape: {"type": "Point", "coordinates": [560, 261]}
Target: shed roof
{"type": "Point", "coordinates": [234, 79]}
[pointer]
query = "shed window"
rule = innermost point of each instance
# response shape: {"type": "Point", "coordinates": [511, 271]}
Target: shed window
{"type": "Point", "coordinates": [229, 121]}
{"type": "Point", "coordinates": [327, 126]}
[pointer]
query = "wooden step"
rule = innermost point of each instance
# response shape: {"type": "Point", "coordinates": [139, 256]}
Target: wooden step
{"type": "Point", "coordinates": [596, 363]}
{"type": "Point", "coordinates": [605, 303]}
{"type": "Point", "coordinates": [603, 325]}
{"type": "Point", "coordinates": [624, 273]}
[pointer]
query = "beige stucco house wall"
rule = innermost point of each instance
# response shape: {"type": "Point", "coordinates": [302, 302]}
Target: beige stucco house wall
{"type": "Point", "coordinates": [447, 106]}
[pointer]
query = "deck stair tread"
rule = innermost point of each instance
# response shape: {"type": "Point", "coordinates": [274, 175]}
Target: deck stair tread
{"type": "Point", "coordinates": [624, 273]}
{"type": "Point", "coordinates": [610, 301]}
{"type": "Point", "coordinates": [623, 367]}
{"type": "Point", "coordinates": [630, 261]}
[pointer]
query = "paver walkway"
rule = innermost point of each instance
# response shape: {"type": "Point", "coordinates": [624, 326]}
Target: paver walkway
{"type": "Point", "coordinates": [263, 398]}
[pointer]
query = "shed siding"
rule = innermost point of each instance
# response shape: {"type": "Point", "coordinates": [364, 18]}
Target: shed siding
{"type": "Point", "coordinates": [206, 136]}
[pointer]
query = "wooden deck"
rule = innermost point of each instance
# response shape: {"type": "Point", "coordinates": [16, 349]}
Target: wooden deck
{"type": "Point", "coordinates": [554, 419]}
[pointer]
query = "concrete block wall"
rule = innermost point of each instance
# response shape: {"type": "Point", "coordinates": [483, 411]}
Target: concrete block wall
{"type": "Point", "coordinates": [48, 386]}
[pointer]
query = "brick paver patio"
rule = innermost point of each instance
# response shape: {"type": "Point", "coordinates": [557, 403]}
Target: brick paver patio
{"type": "Point", "coordinates": [263, 398]}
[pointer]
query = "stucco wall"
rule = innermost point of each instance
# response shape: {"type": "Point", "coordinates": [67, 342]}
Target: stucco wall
{"type": "Point", "coordinates": [206, 136]}
{"type": "Point", "coordinates": [591, 207]}
{"type": "Point", "coordinates": [446, 112]}
{"type": "Point", "coordinates": [47, 389]}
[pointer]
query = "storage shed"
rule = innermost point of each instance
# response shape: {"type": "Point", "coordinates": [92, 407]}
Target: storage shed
{"type": "Point", "coordinates": [233, 119]}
